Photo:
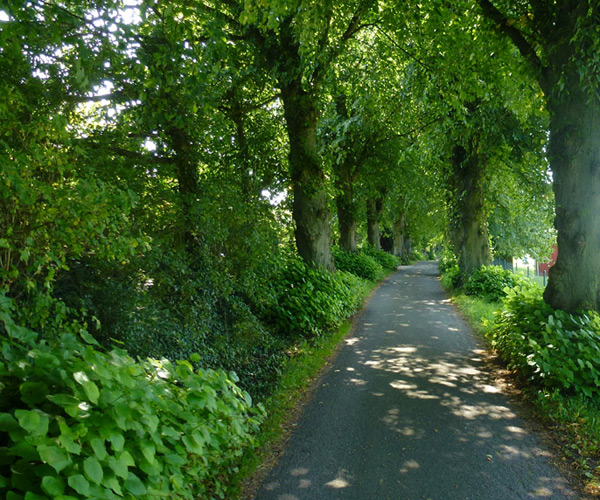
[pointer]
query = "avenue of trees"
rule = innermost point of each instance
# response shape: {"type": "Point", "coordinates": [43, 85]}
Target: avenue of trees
{"type": "Point", "coordinates": [171, 173]}
{"type": "Point", "coordinates": [164, 160]}
{"type": "Point", "coordinates": [159, 159]}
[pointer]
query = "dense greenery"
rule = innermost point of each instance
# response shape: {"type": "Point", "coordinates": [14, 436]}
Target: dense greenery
{"type": "Point", "coordinates": [85, 423]}
{"type": "Point", "coordinates": [492, 282]}
{"type": "Point", "coordinates": [553, 348]}
{"type": "Point", "coordinates": [173, 176]}
{"type": "Point", "coordinates": [361, 264]}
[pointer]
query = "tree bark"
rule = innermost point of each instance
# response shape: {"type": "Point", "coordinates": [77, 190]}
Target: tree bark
{"type": "Point", "coordinates": [408, 250]}
{"type": "Point", "coordinates": [346, 207]}
{"type": "Point", "coordinates": [309, 209]}
{"type": "Point", "coordinates": [471, 241]}
{"type": "Point", "coordinates": [568, 74]}
{"type": "Point", "coordinates": [188, 184]}
{"type": "Point", "coordinates": [398, 235]}
{"type": "Point", "coordinates": [574, 152]}
{"type": "Point", "coordinates": [374, 208]}
{"type": "Point", "coordinates": [237, 116]}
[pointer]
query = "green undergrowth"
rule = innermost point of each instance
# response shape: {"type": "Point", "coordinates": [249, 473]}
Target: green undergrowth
{"type": "Point", "coordinates": [478, 312]}
{"type": "Point", "coordinates": [555, 356]}
{"type": "Point", "coordinates": [305, 362]}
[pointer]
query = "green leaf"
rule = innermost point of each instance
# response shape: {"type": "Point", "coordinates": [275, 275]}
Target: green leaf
{"type": "Point", "coordinates": [28, 420]}
{"type": "Point", "coordinates": [8, 422]}
{"type": "Point", "coordinates": [92, 392]}
{"type": "Point", "coordinates": [134, 485]}
{"type": "Point", "coordinates": [93, 470]}
{"type": "Point", "coordinates": [24, 450]}
{"type": "Point", "coordinates": [33, 422]}
{"type": "Point", "coordinates": [54, 456]}
{"type": "Point", "coordinates": [117, 441]}
{"type": "Point", "coordinates": [34, 496]}
{"type": "Point", "coordinates": [53, 485]}
{"type": "Point", "coordinates": [97, 445]}
{"type": "Point", "coordinates": [80, 484]}
{"type": "Point", "coordinates": [148, 450]}
{"type": "Point", "coordinates": [119, 468]}
{"type": "Point", "coordinates": [88, 338]}
{"type": "Point", "coordinates": [34, 393]}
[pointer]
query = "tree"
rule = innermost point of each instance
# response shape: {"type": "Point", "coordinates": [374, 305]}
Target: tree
{"type": "Point", "coordinates": [560, 42]}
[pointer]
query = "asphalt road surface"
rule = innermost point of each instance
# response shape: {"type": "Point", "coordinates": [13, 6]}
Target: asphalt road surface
{"type": "Point", "coordinates": [409, 411]}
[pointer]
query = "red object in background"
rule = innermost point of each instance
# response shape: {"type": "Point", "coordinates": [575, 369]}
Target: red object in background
{"type": "Point", "coordinates": [545, 266]}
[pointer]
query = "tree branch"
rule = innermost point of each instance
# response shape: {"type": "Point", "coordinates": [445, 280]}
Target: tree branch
{"type": "Point", "coordinates": [518, 38]}
{"type": "Point", "coordinates": [352, 29]}
{"type": "Point", "coordinates": [126, 153]}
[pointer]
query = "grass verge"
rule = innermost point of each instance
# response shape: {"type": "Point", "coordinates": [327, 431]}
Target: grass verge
{"type": "Point", "coordinates": [572, 423]}
{"type": "Point", "coordinates": [307, 363]}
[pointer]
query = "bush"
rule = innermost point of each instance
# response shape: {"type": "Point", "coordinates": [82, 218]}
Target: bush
{"type": "Point", "coordinates": [451, 277]}
{"type": "Point", "coordinates": [490, 282]}
{"type": "Point", "coordinates": [418, 256]}
{"type": "Point", "coordinates": [359, 264]}
{"type": "Point", "coordinates": [553, 348]}
{"type": "Point", "coordinates": [76, 422]}
{"type": "Point", "coordinates": [386, 260]}
{"type": "Point", "coordinates": [447, 261]}
{"type": "Point", "coordinates": [310, 301]}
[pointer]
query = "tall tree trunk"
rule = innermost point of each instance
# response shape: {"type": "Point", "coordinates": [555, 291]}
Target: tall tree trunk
{"type": "Point", "coordinates": [309, 209]}
{"type": "Point", "coordinates": [242, 153]}
{"type": "Point", "coordinates": [374, 208]}
{"type": "Point", "coordinates": [567, 71]}
{"type": "Point", "coordinates": [398, 235]}
{"type": "Point", "coordinates": [471, 241]}
{"type": "Point", "coordinates": [408, 250]}
{"type": "Point", "coordinates": [188, 184]}
{"type": "Point", "coordinates": [575, 160]}
{"type": "Point", "coordinates": [346, 207]}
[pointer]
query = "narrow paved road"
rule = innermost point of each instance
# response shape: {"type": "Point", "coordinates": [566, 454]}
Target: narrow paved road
{"type": "Point", "coordinates": [408, 412]}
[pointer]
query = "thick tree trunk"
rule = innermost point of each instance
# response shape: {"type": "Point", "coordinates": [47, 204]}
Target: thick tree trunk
{"type": "Point", "coordinates": [408, 250]}
{"type": "Point", "coordinates": [241, 142]}
{"type": "Point", "coordinates": [398, 235]}
{"type": "Point", "coordinates": [346, 207]}
{"type": "Point", "coordinates": [568, 74]}
{"type": "Point", "coordinates": [374, 208]}
{"type": "Point", "coordinates": [309, 209]}
{"type": "Point", "coordinates": [471, 241]}
{"type": "Point", "coordinates": [188, 184]}
{"type": "Point", "coordinates": [575, 161]}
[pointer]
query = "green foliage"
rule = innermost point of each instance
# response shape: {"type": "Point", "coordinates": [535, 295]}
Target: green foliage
{"type": "Point", "coordinates": [311, 301]}
{"type": "Point", "coordinates": [82, 423]}
{"type": "Point", "coordinates": [491, 282]}
{"type": "Point", "coordinates": [448, 265]}
{"type": "Point", "coordinates": [553, 348]}
{"type": "Point", "coordinates": [447, 262]}
{"type": "Point", "coordinates": [386, 260]}
{"type": "Point", "coordinates": [360, 264]}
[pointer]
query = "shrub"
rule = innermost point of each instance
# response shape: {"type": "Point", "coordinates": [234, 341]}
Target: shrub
{"type": "Point", "coordinates": [447, 262]}
{"type": "Point", "coordinates": [416, 255]}
{"type": "Point", "coordinates": [311, 301]}
{"type": "Point", "coordinates": [451, 277]}
{"type": "Point", "coordinates": [360, 264]}
{"type": "Point", "coordinates": [386, 260]}
{"type": "Point", "coordinates": [490, 282]}
{"type": "Point", "coordinates": [76, 422]}
{"type": "Point", "coordinates": [551, 347]}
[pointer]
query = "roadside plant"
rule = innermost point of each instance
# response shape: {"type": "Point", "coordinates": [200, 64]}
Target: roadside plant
{"type": "Point", "coordinates": [553, 348]}
{"type": "Point", "coordinates": [491, 282]}
{"type": "Point", "coordinates": [77, 422]}
{"type": "Point", "coordinates": [359, 264]}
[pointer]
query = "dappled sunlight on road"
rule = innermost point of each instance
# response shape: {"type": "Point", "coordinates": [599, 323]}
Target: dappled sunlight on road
{"type": "Point", "coordinates": [411, 410]}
